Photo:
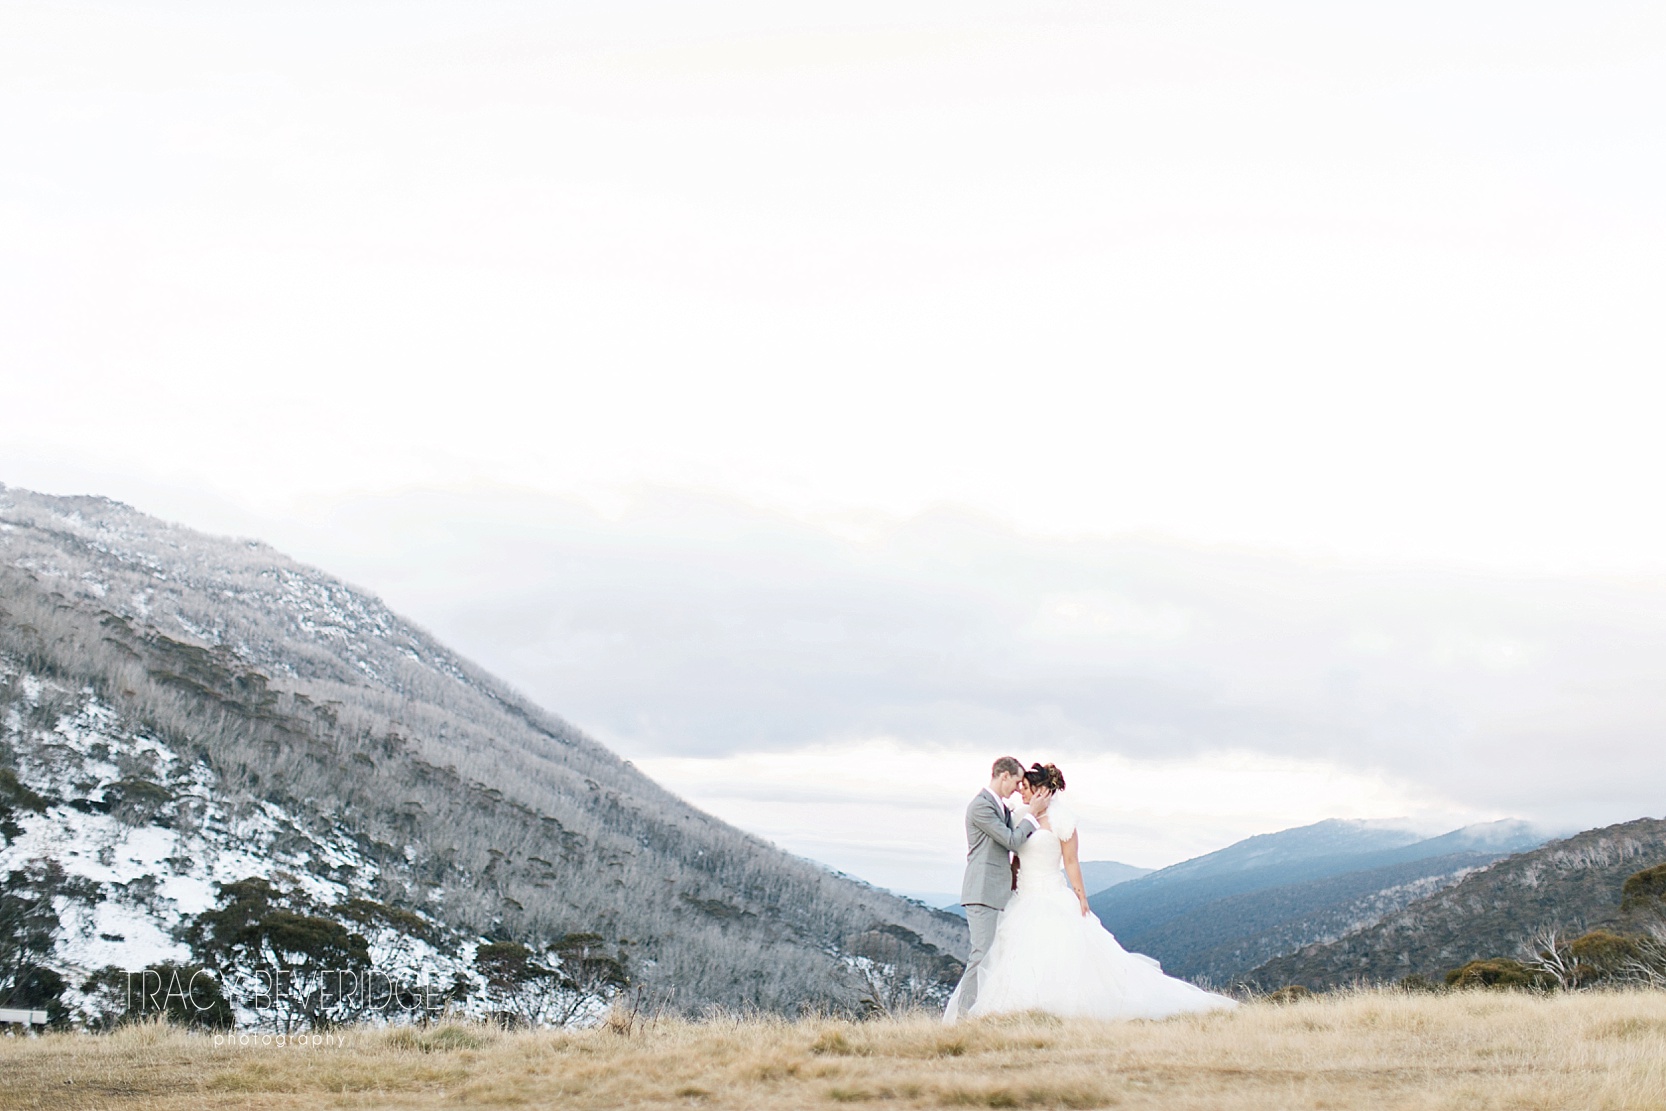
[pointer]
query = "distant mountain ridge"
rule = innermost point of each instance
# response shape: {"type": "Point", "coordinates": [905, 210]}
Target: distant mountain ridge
{"type": "Point", "coordinates": [189, 706]}
{"type": "Point", "coordinates": [1221, 941]}
{"type": "Point", "coordinates": [1572, 884]}
{"type": "Point", "coordinates": [1294, 847]}
{"type": "Point", "coordinates": [1097, 875]}
{"type": "Point", "coordinates": [1219, 915]}
{"type": "Point", "coordinates": [1102, 875]}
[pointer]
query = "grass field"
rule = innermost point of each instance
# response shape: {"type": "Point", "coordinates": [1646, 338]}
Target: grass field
{"type": "Point", "coordinates": [1365, 1050]}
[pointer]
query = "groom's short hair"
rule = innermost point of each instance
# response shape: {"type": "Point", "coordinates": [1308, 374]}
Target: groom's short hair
{"type": "Point", "coordinates": [1006, 765]}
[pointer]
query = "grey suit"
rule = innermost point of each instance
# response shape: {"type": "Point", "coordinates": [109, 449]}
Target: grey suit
{"type": "Point", "coordinates": [990, 842]}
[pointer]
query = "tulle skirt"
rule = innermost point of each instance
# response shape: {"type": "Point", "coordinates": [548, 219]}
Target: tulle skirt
{"type": "Point", "coordinates": [1049, 956]}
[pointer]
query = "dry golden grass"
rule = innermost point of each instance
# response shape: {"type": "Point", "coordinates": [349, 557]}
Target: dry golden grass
{"type": "Point", "coordinates": [1367, 1050]}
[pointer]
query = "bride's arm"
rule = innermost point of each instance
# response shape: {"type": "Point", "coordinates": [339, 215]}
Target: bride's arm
{"type": "Point", "coordinates": [1073, 870]}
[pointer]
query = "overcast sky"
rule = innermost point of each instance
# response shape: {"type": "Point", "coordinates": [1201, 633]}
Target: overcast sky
{"type": "Point", "coordinates": [1255, 405]}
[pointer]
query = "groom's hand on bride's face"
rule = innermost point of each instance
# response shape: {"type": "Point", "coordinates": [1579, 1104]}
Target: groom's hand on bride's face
{"type": "Point", "coordinates": [1038, 803]}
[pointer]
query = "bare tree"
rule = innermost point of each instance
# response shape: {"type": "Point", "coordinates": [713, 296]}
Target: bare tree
{"type": "Point", "coordinates": [1547, 952]}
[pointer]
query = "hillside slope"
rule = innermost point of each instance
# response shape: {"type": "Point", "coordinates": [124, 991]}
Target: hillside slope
{"type": "Point", "coordinates": [189, 695]}
{"type": "Point", "coordinates": [1221, 941]}
{"type": "Point", "coordinates": [1133, 909]}
{"type": "Point", "coordinates": [1571, 884]}
{"type": "Point", "coordinates": [1217, 916]}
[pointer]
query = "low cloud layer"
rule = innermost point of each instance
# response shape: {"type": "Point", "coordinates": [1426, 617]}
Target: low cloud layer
{"type": "Point", "coordinates": [687, 628]}
{"type": "Point", "coordinates": [892, 812]}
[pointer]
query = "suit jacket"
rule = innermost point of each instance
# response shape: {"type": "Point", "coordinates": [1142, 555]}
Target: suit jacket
{"type": "Point", "coordinates": [990, 842]}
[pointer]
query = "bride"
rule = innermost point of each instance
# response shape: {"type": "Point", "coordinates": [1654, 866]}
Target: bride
{"type": "Point", "coordinates": [1050, 952]}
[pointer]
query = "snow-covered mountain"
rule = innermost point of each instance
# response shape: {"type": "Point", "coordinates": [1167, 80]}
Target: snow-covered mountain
{"type": "Point", "coordinates": [179, 712]}
{"type": "Point", "coordinates": [144, 835]}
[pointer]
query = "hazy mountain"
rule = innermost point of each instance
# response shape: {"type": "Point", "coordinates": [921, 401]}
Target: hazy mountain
{"type": "Point", "coordinates": [179, 710]}
{"type": "Point", "coordinates": [1097, 875]}
{"type": "Point", "coordinates": [1571, 884]}
{"type": "Point", "coordinates": [1218, 916]}
{"type": "Point", "coordinates": [1254, 864]}
{"type": "Point", "coordinates": [1222, 940]}
{"type": "Point", "coordinates": [1102, 875]}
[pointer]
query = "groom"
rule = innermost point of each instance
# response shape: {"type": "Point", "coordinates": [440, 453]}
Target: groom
{"type": "Point", "coordinates": [991, 839]}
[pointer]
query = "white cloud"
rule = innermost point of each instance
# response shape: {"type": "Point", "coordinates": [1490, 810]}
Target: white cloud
{"type": "Point", "coordinates": [892, 812]}
{"type": "Point", "coordinates": [1377, 281]}
{"type": "Point", "coordinates": [686, 627]}
{"type": "Point", "coordinates": [1101, 613]}
{"type": "Point", "coordinates": [693, 626]}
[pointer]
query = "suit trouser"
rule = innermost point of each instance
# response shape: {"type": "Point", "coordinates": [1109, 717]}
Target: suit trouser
{"type": "Point", "coordinates": [982, 920]}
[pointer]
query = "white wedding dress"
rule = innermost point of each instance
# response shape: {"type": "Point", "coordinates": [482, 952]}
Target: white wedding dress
{"type": "Point", "coordinates": [1049, 956]}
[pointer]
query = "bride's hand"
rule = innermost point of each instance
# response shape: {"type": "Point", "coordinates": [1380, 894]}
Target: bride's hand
{"type": "Point", "coordinates": [1083, 899]}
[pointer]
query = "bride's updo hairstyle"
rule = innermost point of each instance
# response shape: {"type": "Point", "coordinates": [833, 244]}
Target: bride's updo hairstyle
{"type": "Point", "coordinates": [1045, 777]}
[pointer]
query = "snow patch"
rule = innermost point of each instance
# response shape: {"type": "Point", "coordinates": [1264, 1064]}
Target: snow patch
{"type": "Point", "coordinates": [139, 881]}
